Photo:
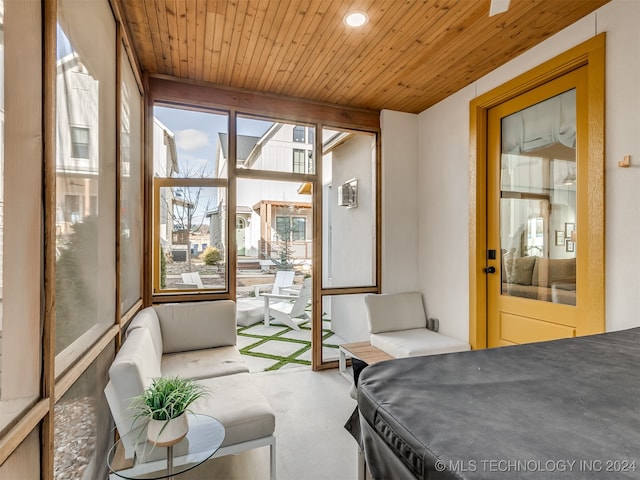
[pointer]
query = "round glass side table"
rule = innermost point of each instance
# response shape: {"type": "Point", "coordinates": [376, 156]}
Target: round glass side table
{"type": "Point", "coordinates": [203, 440]}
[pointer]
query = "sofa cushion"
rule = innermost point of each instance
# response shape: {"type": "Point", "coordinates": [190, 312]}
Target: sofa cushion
{"type": "Point", "coordinates": [547, 271]}
{"type": "Point", "coordinates": [198, 364]}
{"type": "Point", "coordinates": [147, 318]}
{"type": "Point", "coordinates": [416, 342]}
{"type": "Point", "coordinates": [135, 365]}
{"type": "Point", "coordinates": [395, 311]}
{"type": "Point", "coordinates": [195, 326]}
{"type": "Point", "coordinates": [239, 405]}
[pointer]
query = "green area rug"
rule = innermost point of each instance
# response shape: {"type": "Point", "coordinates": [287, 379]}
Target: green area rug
{"type": "Point", "coordinates": [268, 342]}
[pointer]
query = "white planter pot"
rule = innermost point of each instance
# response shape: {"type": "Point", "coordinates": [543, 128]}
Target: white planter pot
{"type": "Point", "coordinates": [167, 432]}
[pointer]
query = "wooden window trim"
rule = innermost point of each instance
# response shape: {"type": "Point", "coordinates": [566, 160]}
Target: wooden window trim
{"type": "Point", "coordinates": [173, 92]}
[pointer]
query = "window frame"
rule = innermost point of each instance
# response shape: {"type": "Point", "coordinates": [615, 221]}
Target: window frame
{"type": "Point", "coordinates": [299, 161]}
{"type": "Point", "coordinates": [75, 144]}
{"type": "Point", "coordinates": [297, 130]}
{"type": "Point", "coordinates": [178, 182]}
{"type": "Point", "coordinates": [240, 104]}
{"type": "Point", "coordinates": [293, 232]}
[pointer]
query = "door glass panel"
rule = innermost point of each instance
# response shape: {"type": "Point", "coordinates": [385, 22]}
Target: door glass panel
{"type": "Point", "coordinates": [538, 201]}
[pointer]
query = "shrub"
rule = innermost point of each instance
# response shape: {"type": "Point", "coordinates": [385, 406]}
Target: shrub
{"type": "Point", "coordinates": [211, 256]}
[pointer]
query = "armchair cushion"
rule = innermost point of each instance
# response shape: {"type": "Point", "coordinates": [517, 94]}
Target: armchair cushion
{"type": "Point", "coordinates": [196, 326]}
{"type": "Point", "coordinates": [416, 342]}
{"type": "Point", "coordinates": [395, 311]}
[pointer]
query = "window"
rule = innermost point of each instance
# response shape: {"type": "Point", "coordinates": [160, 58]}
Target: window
{"type": "Point", "coordinates": [298, 134]}
{"type": "Point", "coordinates": [349, 234]}
{"type": "Point", "coordinates": [131, 219]}
{"type": "Point", "coordinates": [298, 228]}
{"type": "Point", "coordinates": [190, 194]}
{"type": "Point", "coordinates": [72, 208]}
{"type": "Point", "coordinates": [291, 228]}
{"type": "Point", "coordinates": [298, 161]}
{"type": "Point", "coordinates": [79, 142]}
{"type": "Point", "coordinates": [85, 283]}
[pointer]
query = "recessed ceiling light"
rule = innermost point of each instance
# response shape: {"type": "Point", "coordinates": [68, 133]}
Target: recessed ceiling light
{"type": "Point", "coordinates": [355, 19]}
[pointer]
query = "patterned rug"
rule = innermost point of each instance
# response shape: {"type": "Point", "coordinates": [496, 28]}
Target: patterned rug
{"type": "Point", "coordinates": [278, 346]}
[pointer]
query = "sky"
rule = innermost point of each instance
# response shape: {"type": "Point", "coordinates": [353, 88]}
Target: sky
{"type": "Point", "coordinates": [63, 45]}
{"type": "Point", "coordinates": [196, 136]}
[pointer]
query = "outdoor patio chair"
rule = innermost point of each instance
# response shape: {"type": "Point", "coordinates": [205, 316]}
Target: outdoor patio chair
{"type": "Point", "coordinates": [283, 280]}
{"type": "Point", "coordinates": [191, 280]}
{"type": "Point", "coordinates": [290, 310]}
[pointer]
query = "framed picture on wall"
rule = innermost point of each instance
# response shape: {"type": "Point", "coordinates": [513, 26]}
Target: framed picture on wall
{"type": "Point", "coordinates": [559, 237]}
{"type": "Point", "coordinates": [570, 246]}
{"type": "Point", "coordinates": [568, 228]}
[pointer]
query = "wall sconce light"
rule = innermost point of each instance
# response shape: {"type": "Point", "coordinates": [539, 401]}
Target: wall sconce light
{"type": "Point", "coordinates": [348, 194]}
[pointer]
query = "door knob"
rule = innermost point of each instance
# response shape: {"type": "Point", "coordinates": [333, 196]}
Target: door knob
{"type": "Point", "coordinates": [489, 269]}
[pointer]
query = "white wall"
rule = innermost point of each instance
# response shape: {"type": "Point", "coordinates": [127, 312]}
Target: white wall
{"type": "Point", "coordinates": [400, 203]}
{"type": "Point", "coordinates": [442, 173]}
{"type": "Point", "coordinates": [443, 224]}
{"type": "Point", "coordinates": [352, 235]}
{"type": "Point", "coordinates": [353, 229]}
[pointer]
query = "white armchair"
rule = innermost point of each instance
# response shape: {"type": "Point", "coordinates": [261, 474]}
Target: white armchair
{"type": "Point", "coordinates": [398, 326]}
{"type": "Point", "coordinates": [288, 309]}
{"type": "Point", "coordinates": [282, 282]}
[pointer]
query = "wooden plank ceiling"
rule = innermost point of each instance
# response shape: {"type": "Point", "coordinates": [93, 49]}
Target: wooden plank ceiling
{"type": "Point", "coordinates": [409, 56]}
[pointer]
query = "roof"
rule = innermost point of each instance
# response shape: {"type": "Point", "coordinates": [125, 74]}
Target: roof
{"type": "Point", "coordinates": [244, 146]}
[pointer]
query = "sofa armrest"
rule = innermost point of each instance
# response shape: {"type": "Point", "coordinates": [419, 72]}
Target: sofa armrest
{"type": "Point", "coordinates": [198, 325]}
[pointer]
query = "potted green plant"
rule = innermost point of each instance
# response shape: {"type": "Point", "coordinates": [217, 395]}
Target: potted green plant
{"type": "Point", "coordinates": [164, 403]}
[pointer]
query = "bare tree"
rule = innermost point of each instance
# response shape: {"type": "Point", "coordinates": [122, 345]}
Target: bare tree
{"type": "Point", "coordinates": [187, 208]}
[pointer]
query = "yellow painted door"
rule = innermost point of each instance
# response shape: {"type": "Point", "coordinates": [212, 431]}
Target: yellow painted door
{"type": "Point", "coordinates": [537, 203]}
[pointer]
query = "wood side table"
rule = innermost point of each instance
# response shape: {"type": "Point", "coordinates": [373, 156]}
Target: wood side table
{"type": "Point", "coordinates": [362, 351]}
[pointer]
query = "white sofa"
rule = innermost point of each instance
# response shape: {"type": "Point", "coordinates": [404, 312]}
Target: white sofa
{"type": "Point", "coordinates": [398, 326]}
{"type": "Point", "coordinates": [193, 340]}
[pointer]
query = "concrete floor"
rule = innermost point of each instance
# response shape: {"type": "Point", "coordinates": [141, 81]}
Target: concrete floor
{"type": "Point", "coordinates": [312, 444]}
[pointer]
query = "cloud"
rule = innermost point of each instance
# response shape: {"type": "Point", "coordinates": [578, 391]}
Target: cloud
{"type": "Point", "coordinates": [191, 139]}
